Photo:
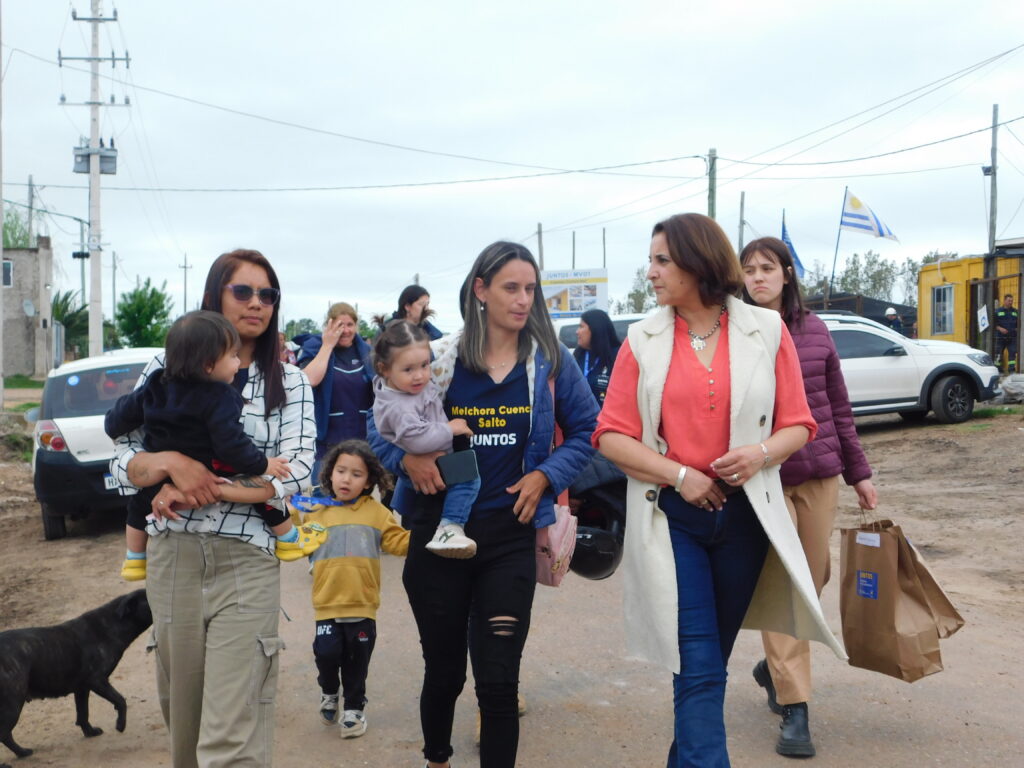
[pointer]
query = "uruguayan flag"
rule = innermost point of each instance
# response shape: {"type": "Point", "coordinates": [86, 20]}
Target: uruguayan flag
{"type": "Point", "coordinates": [792, 251]}
{"type": "Point", "coordinates": [859, 218]}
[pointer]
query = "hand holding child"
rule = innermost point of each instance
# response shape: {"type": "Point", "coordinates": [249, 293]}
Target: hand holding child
{"type": "Point", "coordinates": [279, 468]}
{"type": "Point", "coordinates": [460, 427]}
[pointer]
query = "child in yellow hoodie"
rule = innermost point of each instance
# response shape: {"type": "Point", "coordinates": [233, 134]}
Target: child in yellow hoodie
{"type": "Point", "coordinates": [346, 576]}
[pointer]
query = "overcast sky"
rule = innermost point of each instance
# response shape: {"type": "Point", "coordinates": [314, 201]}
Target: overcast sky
{"type": "Point", "coordinates": [524, 88]}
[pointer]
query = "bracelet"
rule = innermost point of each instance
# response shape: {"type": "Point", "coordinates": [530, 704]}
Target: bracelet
{"type": "Point", "coordinates": [766, 457]}
{"type": "Point", "coordinates": [679, 479]}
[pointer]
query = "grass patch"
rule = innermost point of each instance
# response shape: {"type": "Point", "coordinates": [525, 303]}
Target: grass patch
{"type": "Point", "coordinates": [22, 407]}
{"type": "Point", "coordinates": [998, 410]}
{"type": "Point", "coordinates": [18, 444]}
{"type": "Point", "coordinates": [20, 381]}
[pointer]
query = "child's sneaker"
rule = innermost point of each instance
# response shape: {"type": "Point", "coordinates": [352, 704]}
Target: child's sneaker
{"type": "Point", "coordinates": [451, 541]}
{"type": "Point", "coordinates": [133, 569]}
{"type": "Point", "coordinates": [311, 536]}
{"type": "Point", "coordinates": [353, 723]}
{"type": "Point", "coordinates": [329, 708]}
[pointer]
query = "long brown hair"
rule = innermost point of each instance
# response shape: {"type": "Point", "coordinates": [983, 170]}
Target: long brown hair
{"type": "Point", "coordinates": [538, 324]}
{"type": "Point", "coordinates": [266, 354]}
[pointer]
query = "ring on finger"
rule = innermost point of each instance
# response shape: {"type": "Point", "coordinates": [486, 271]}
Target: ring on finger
{"type": "Point", "coordinates": [735, 477]}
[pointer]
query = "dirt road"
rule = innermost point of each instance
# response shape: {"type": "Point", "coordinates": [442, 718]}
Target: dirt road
{"type": "Point", "coordinates": [957, 491]}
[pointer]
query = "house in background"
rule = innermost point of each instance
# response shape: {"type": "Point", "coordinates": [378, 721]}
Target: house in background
{"type": "Point", "coordinates": [949, 293]}
{"type": "Point", "coordinates": [28, 327]}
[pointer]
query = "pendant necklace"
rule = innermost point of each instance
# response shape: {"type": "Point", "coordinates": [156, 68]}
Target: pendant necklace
{"type": "Point", "coordinates": [697, 343]}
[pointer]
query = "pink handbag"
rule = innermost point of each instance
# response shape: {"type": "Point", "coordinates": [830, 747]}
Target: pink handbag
{"type": "Point", "coordinates": [555, 545]}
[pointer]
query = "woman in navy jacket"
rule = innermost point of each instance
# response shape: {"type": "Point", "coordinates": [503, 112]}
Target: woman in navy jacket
{"type": "Point", "coordinates": [337, 364]}
{"type": "Point", "coordinates": [810, 477]}
{"type": "Point", "coordinates": [508, 376]}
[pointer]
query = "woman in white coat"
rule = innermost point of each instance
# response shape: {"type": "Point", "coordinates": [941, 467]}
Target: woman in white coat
{"type": "Point", "coordinates": [706, 400]}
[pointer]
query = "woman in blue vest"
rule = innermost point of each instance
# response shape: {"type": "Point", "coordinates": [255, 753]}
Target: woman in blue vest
{"type": "Point", "coordinates": [338, 367]}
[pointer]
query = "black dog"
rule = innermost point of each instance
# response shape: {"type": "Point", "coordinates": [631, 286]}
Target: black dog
{"type": "Point", "coordinates": [74, 657]}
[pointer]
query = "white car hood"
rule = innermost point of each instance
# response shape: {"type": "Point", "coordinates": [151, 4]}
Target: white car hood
{"type": "Point", "coordinates": [939, 347]}
{"type": "Point", "coordinates": [85, 438]}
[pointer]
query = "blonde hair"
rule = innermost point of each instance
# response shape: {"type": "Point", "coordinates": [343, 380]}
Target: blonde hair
{"type": "Point", "coordinates": [342, 308]}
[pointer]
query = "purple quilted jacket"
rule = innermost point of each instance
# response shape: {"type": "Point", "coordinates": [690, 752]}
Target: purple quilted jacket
{"type": "Point", "coordinates": [836, 448]}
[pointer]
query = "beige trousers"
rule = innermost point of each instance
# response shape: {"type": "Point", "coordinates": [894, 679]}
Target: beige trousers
{"type": "Point", "coordinates": [812, 505]}
{"type": "Point", "coordinates": [215, 603]}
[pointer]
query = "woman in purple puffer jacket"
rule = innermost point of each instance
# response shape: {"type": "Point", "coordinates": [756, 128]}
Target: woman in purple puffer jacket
{"type": "Point", "coordinates": [810, 477]}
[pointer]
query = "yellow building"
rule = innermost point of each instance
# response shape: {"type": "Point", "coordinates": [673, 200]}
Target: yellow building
{"type": "Point", "coordinates": [949, 293]}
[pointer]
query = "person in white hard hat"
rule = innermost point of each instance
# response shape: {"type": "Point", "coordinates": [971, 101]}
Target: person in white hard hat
{"type": "Point", "coordinates": [893, 320]}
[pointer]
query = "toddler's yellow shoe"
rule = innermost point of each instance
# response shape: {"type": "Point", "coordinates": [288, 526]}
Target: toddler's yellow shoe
{"type": "Point", "coordinates": [311, 536]}
{"type": "Point", "coordinates": [133, 570]}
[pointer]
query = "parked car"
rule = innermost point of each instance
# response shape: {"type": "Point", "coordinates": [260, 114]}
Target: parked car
{"type": "Point", "coordinates": [70, 463]}
{"type": "Point", "coordinates": [566, 327]}
{"type": "Point", "coordinates": [886, 372]}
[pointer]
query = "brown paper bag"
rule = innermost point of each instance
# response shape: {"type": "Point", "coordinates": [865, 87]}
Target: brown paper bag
{"type": "Point", "coordinates": [947, 619]}
{"type": "Point", "coordinates": [887, 622]}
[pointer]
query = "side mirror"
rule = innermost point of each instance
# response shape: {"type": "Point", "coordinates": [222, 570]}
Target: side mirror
{"type": "Point", "coordinates": [32, 415]}
{"type": "Point", "coordinates": [896, 350]}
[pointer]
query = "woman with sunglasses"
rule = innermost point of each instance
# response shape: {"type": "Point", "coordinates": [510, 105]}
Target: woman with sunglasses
{"type": "Point", "coordinates": [338, 366]}
{"type": "Point", "coordinates": [213, 582]}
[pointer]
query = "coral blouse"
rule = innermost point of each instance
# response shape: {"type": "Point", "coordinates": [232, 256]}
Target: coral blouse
{"type": "Point", "coordinates": [696, 402]}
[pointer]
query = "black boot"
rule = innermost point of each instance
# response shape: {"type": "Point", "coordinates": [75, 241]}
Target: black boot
{"type": "Point", "coordinates": [764, 679]}
{"type": "Point", "coordinates": [794, 733]}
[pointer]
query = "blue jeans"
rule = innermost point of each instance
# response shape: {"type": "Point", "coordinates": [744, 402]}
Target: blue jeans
{"type": "Point", "coordinates": [719, 556]}
{"type": "Point", "coordinates": [458, 500]}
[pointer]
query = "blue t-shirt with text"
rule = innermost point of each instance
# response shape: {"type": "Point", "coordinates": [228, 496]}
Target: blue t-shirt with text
{"type": "Point", "coordinates": [499, 415]}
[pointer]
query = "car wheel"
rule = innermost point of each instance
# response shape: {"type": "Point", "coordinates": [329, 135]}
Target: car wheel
{"type": "Point", "coordinates": [952, 400]}
{"type": "Point", "coordinates": [54, 523]}
{"type": "Point", "coordinates": [914, 417]}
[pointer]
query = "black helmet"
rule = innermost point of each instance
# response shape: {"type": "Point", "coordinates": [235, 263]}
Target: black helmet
{"type": "Point", "coordinates": [598, 553]}
{"type": "Point", "coordinates": [600, 495]}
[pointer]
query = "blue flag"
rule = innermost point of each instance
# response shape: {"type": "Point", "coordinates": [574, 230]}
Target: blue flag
{"type": "Point", "coordinates": [792, 251]}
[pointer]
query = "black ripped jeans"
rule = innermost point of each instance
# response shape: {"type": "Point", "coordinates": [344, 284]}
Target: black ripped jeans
{"type": "Point", "coordinates": [484, 604]}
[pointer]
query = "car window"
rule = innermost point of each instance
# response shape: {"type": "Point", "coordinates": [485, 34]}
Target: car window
{"type": "Point", "coordinates": [851, 344]}
{"type": "Point", "coordinates": [88, 393]}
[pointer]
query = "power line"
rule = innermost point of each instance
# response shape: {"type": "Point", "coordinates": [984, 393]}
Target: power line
{"type": "Point", "coordinates": [875, 157]}
{"type": "Point", "coordinates": [334, 134]}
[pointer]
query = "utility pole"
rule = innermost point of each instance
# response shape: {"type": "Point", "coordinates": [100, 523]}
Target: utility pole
{"type": "Point", "coordinates": [988, 287]}
{"type": "Point", "coordinates": [712, 180]}
{"type": "Point", "coordinates": [743, 200]}
{"type": "Point", "coordinates": [604, 250]}
{"type": "Point", "coordinates": [31, 211]}
{"type": "Point", "coordinates": [540, 245]}
{"type": "Point", "coordinates": [113, 287]}
{"type": "Point", "coordinates": [574, 249]}
{"type": "Point", "coordinates": [2, 292]}
{"type": "Point", "coordinates": [81, 254]}
{"type": "Point", "coordinates": [100, 160]}
{"type": "Point", "coordinates": [184, 271]}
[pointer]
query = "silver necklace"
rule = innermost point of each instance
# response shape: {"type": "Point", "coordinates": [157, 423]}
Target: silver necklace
{"type": "Point", "coordinates": [499, 365]}
{"type": "Point", "coordinates": [697, 343]}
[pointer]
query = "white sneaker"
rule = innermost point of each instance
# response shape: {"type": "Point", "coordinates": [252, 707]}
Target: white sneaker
{"type": "Point", "coordinates": [451, 541]}
{"type": "Point", "coordinates": [329, 709]}
{"type": "Point", "coordinates": [353, 723]}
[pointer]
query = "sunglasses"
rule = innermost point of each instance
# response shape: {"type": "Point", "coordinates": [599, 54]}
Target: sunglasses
{"type": "Point", "coordinates": [268, 296]}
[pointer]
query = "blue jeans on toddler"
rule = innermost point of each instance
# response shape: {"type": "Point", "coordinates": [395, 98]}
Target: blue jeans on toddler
{"type": "Point", "coordinates": [458, 500]}
{"type": "Point", "coordinates": [719, 556]}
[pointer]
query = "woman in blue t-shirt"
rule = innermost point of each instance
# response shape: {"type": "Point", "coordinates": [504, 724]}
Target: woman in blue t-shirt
{"type": "Point", "coordinates": [499, 373]}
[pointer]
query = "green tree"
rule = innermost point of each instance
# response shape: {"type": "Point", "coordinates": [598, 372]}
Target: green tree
{"type": "Point", "coordinates": [640, 297]}
{"type": "Point", "coordinates": [144, 315]}
{"type": "Point", "coordinates": [68, 310]}
{"type": "Point", "coordinates": [294, 327]}
{"type": "Point", "coordinates": [16, 229]}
